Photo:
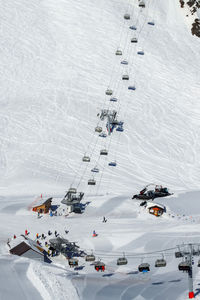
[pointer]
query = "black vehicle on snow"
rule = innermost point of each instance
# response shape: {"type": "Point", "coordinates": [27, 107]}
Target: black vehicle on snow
{"type": "Point", "coordinates": [146, 194]}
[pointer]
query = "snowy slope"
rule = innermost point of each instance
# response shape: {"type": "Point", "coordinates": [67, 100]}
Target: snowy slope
{"type": "Point", "coordinates": [57, 59]}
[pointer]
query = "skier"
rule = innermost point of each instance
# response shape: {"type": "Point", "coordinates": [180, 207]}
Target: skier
{"type": "Point", "coordinates": [37, 236]}
{"type": "Point", "coordinates": [104, 220]}
{"type": "Point", "coordinates": [49, 232]}
{"type": "Point", "coordinates": [94, 233]}
{"type": "Point", "coordinates": [26, 232]}
{"type": "Point", "coordinates": [14, 236]}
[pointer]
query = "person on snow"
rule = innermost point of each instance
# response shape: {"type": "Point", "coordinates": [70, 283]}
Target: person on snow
{"type": "Point", "coordinates": [49, 232]}
{"type": "Point", "coordinates": [104, 220]}
{"type": "Point", "coordinates": [37, 236]}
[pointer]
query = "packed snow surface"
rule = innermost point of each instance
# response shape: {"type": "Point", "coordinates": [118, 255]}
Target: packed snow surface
{"type": "Point", "coordinates": [57, 59]}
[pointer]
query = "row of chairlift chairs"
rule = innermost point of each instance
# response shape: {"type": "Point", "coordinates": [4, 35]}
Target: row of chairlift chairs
{"type": "Point", "coordinates": [184, 266]}
{"type": "Point", "coordinates": [99, 265]}
{"type": "Point", "coordinates": [109, 92]}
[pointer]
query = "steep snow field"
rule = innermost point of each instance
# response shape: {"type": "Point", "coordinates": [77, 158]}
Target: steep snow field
{"type": "Point", "coordinates": [57, 59]}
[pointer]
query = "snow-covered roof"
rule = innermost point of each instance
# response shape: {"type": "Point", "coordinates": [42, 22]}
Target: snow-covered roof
{"type": "Point", "coordinates": [41, 202]}
{"type": "Point", "coordinates": [32, 244]}
{"type": "Point", "coordinates": [153, 204]}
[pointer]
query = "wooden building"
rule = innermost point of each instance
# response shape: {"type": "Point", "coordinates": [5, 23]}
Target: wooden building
{"type": "Point", "coordinates": [23, 246]}
{"type": "Point", "coordinates": [156, 209]}
{"type": "Point", "coordinates": [43, 206]}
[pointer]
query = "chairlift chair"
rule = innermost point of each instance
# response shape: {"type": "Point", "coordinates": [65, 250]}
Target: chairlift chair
{"type": "Point", "coordinates": [90, 257]}
{"type": "Point", "coordinates": [98, 129]}
{"type": "Point", "coordinates": [178, 254]}
{"type": "Point", "coordinates": [134, 40]}
{"type": "Point", "coordinates": [132, 87]}
{"type": "Point", "coordinates": [125, 77]}
{"type": "Point", "coordinates": [122, 261]}
{"type": "Point", "coordinates": [118, 52]}
{"type": "Point", "coordinates": [72, 190]}
{"type": "Point", "coordinates": [95, 170]}
{"type": "Point", "coordinates": [109, 92]}
{"type": "Point", "coordinates": [113, 99]}
{"type": "Point", "coordinates": [133, 27]}
{"type": "Point", "coordinates": [184, 266]}
{"type": "Point", "coordinates": [142, 4]}
{"type": "Point", "coordinates": [144, 267]}
{"type": "Point", "coordinates": [103, 135]}
{"type": "Point", "coordinates": [112, 164]}
{"type": "Point", "coordinates": [86, 158]}
{"type": "Point", "coordinates": [91, 182]}
{"type": "Point", "coordinates": [103, 152]}
{"type": "Point", "coordinates": [124, 62]}
{"type": "Point", "coordinates": [160, 263]}
{"type": "Point", "coordinates": [73, 262]}
{"type": "Point", "coordinates": [127, 17]}
{"type": "Point", "coordinates": [99, 266]}
{"type": "Point", "coordinates": [140, 52]}
{"type": "Point", "coordinates": [151, 23]}
{"type": "Point", "coordinates": [120, 123]}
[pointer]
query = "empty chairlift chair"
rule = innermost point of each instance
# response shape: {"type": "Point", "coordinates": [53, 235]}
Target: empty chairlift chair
{"type": "Point", "coordinates": [178, 254]}
{"type": "Point", "coordinates": [112, 164]}
{"type": "Point", "coordinates": [95, 170]}
{"type": "Point", "coordinates": [103, 135]}
{"type": "Point", "coordinates": [142, 4]}
{"type": "Point", "coordinates": [125, 77]}
{"type": "Point", "coordinates": [184, 266]}
{"type": "Point", "coordinates": [122, 261]}
{"type": "Point", "coordinates": [113, 99]}
{"type": "Point", "coordinates": [160, 263]}
{"type": "Point", "coordinates": [99, 266]}
{"type": "Point", "coordinates": [98, 129]}
{"type": "Point", "coordinates": [132, 27]}
{"type": "Point", "coordinates": [134, 40]}
{"type": "Point", "coordinates": [109, 92]}
{"type": "Point", "coordinates": [118, 52]}
{"type": "Point", "coordinates": [86, 158]}
{"type": "Point", "coordinates": [124, 62]}
{"type": "Point", "coordinates": [91, 182]}
{"type": "Point", "coordinates": [127, 17]}
{"type": "Point", "coordinates": [144, 267]}
{"type": "Point", "coordinates": [90, 258]}
{"type": "Point", "coordinates": [151, 23]}
{"type": "Point", "coordinates": [103, 152]}
{"type": "Point", "coordinates": [132, 87]}
{"type": "Point", "coordinates": [140, 52]}
{"type": "Point", "coordinates": [73, 262]}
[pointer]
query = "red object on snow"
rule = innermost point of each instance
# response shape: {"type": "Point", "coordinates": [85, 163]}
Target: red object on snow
{"type": "Point", "coordinates": [26, 232]}
{"type": "Point", "coordinates": [191, 295]}
{"type": "Point", "coordinates": [14, 236]}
